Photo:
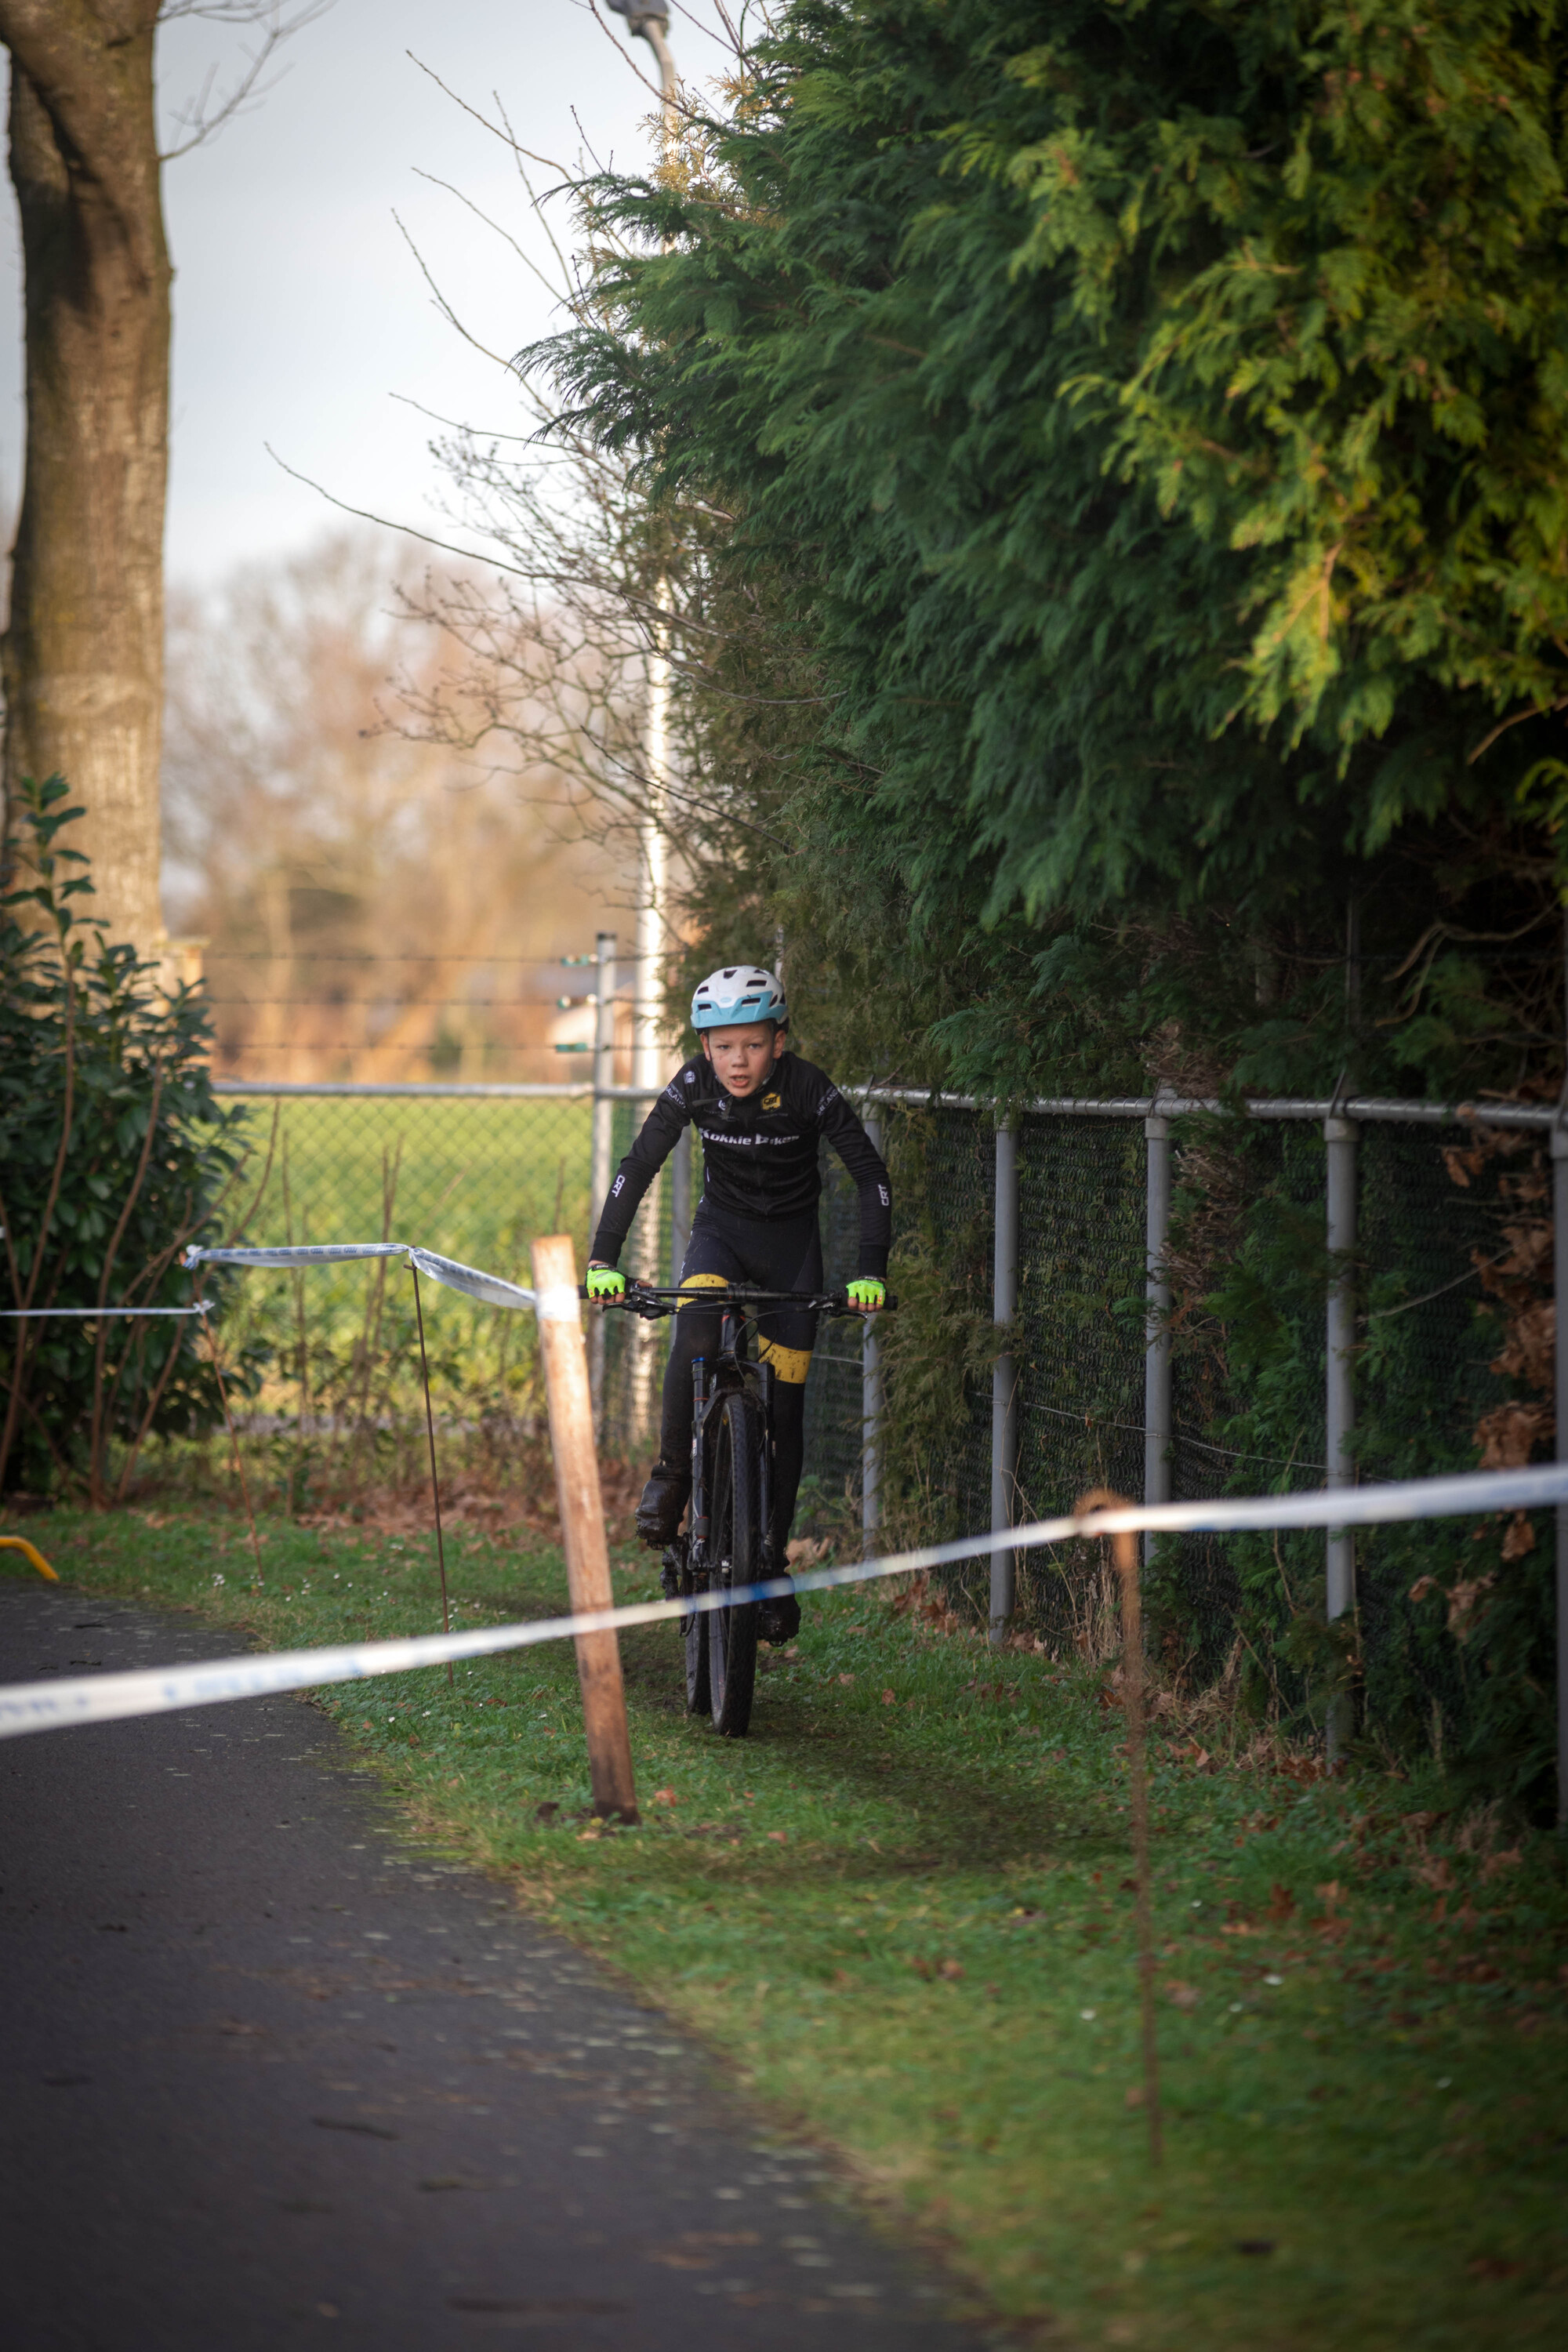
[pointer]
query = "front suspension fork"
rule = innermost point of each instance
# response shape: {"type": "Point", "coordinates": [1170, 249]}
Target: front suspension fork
{"type": "Point", "coordinates": [702, 1393]}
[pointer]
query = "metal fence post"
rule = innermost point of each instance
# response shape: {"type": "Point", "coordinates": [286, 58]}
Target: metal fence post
{"type": "Point", "coordinates": [602, 1143]}
{"type": "Point", "coordinates": [1156, 1323]}
{"type": "Point", "coordinates": [871, 1403]}
{"type": "Point", "coordinates": [1340, 1136]}
{"type": "Point", "coordinates": [1560, 1245]}
{"type": "Point", "coordinates": [1004, 1379]}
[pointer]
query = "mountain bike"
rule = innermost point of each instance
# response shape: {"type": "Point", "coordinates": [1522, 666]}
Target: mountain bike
{"type": "Point", "coordinates": [724, 1546]}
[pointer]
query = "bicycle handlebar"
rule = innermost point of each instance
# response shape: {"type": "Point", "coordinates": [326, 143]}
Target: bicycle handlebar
{"type": "Point", "coordinates": [651, 1300]}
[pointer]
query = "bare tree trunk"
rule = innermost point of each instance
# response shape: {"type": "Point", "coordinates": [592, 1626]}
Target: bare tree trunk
{"type": "Point", "coordinates": [82, 659]}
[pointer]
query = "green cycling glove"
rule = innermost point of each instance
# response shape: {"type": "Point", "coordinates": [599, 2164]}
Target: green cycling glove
{"type": "Point", "coordinates": [605, 1282]}
{"type": "Point", "coordinates": [867, 1292]}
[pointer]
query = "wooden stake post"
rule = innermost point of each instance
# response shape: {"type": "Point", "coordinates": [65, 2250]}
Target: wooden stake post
{"type": "Point", "coordinates": [1124, 1552]}
{"type": "Point", "coordinates": [566, 1390]}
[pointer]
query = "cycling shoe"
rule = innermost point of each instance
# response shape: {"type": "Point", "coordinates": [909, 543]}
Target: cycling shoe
{"type": "Point", "coordinates": [779, 1620]}
{"type": "Point", "coordinates": [663, 1501]}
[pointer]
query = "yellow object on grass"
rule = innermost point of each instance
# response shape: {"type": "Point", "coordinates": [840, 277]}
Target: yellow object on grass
{"type": "Point", "coordinates": [31, 1554]}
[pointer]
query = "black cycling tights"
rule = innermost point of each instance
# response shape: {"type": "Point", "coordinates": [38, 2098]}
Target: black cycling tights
{"type": "Point", "coordinates": [786, 1255]}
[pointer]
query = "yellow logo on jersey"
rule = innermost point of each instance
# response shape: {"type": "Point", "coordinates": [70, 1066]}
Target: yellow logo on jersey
{"type": "Point", "coordinates": [772, 1102]}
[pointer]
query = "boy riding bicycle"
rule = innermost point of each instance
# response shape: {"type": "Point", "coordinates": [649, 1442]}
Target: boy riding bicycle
{"type": "Point", "coordinates": [760, 1111]}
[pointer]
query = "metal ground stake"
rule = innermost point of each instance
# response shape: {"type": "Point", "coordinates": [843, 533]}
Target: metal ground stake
{"type": "Point", "coordinates": [435, 1481]}
{"type": "Point", "coordinates": [1124, 1552]}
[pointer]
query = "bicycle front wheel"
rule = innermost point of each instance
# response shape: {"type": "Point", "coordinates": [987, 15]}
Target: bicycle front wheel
{"type": "Point", "coordinates": [694, 1642]}
{"type": "Point", "coordinates": [735, 1551]}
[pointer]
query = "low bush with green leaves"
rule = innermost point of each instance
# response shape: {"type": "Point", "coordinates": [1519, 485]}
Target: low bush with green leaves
{"type": "Point", "coordinates": [114, 1156]}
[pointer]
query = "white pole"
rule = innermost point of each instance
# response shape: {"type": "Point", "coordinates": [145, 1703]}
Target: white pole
{"type": "Point", "coordinates": [1156, 1323]}
{"type": "Point", "coordinates": [1341, 1135]}
{"type": "Point", "coordinates": [871, 1402]}
{"type": "Point", "coordinates": [647, 1062]}
{"type": "Point", "coordinates": [648, 1070]}
{"type": "Point", "coordinates": [1003, 1382]}
{"type": "Point", "coordinates": [603, 1142]}
{"type": "Point", "coordinates": [653, 927]}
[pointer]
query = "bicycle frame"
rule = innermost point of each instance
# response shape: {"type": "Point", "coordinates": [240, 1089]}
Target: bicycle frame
{"type": "Point", "coordinates": [720, 1649]}
{"type": "Point", "coordinates": [729, 1370]}
{"type": "Point", "coordinates": [738, 1305]}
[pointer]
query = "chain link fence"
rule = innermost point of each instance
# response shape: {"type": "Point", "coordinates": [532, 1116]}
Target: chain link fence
{"type": "Point", "coordinates": [1246, 1398]}
{"type": "Point", "coordinates": [477, 1173]}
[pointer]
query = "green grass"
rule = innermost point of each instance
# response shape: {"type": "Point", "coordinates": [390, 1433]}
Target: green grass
{"type": "Point", "coordinates": [901, 1913]}
{"type": "Point", "coordinates": [474, 1179]}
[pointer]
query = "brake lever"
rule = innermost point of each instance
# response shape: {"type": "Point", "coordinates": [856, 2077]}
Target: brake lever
{"type": "Point", "coordinates": [632, 1301]}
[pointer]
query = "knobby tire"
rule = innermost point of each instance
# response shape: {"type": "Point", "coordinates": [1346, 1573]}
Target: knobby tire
{"type": "Point", "coordinates": [694, 1635]}
{"type": "Point", "coordinates": [734, 1552]}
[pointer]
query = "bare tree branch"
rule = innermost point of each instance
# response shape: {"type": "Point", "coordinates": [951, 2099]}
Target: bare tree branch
{"type": "Point", "coordinates": [201, 118]}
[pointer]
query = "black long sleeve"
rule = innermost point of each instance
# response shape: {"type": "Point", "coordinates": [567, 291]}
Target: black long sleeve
{"type": "Point", "coordinates": [656, 1139]}
{"type": "Point", "coordinates": [759, 1154]}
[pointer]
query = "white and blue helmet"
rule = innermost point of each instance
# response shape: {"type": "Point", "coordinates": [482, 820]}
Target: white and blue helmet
{"type": "Point", "coordinates": [741, 992]}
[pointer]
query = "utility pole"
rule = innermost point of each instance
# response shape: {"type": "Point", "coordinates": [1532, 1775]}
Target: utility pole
{"type": "Point", "coordinates": [603, 1140]}
{"type": "Point", "coordinates": [652, 25]}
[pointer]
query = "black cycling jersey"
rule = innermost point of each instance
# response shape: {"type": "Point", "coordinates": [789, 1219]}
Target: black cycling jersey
{"type": "Point", "coordinates": [759, 1154]}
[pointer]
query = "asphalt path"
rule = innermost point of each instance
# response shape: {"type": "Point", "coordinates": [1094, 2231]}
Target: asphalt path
{"type": "Point", "coordinates": [272, 2073]}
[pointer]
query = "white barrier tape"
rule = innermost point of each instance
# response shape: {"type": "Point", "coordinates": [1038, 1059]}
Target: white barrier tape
{"type": "Point", "coordinates": [490, 1289]}
{"type": "Point", "coordinates": [559, 1305]}
{"type": "Point", "coordinates": [161, 1690]}
{"type": "Point", "coordinates": [300, 1253]}
{"type": "Point", "coordinates": [96, 1314]}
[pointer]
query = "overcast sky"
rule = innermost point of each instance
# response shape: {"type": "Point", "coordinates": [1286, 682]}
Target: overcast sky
{"type": "Point", "coordinates": [301, 316]}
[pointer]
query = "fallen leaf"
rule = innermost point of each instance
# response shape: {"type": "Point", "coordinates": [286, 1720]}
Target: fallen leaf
{"type": "Point", "coordinates": [1521, 1536]}
{"type": "Point", "coordinates": [1179, 1995]}
{"type": "Point", "coordinates": [950, 1968]}
{"type": "Point", "coordinates": [889, 1700]}
{"type": "Point", "coordinates": [664, 1797]}
{"type": "Point", "coordinates": [845, 1678]}
{"type": "Point", "coordinates": [1492, 2266]}
{"type": "Point", "coordinates": [779, 1837]}
{"type": "Point", "coordinates": [1135, 2097]}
